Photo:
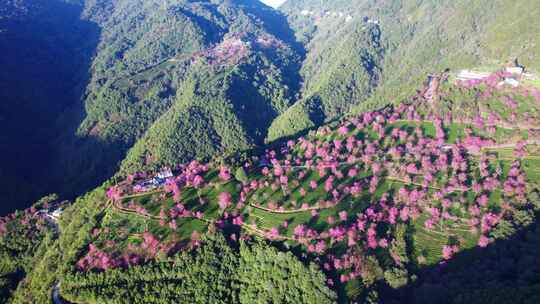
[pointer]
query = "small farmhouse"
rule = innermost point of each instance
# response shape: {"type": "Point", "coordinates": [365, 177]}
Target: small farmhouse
{"type": "Point", "coordinates": [511, 82]}
{"type": "Point", "coordinates": [471, 75]}
{"type": "Point", "coordinates": [165, 173]}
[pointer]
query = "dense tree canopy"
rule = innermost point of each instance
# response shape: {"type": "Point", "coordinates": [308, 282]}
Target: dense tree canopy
{"type": "Point", "coordinates": [212, 273]}
{"type": "Point", "coordinates": [236, 175]}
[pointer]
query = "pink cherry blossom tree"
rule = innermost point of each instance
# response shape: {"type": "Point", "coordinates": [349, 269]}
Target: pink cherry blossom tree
{"type": "Point", "coordinates": [224, 200]}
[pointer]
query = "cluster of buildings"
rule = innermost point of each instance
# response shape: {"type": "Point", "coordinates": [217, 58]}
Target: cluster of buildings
{"type": "Point", "coordinates": [230, 50]}
{"type": "Point", "coordinates": [339, 15]}
{"type": "Point", "coordinates": [53, 211]}
{"type": "Point", "coordinates": [317, 16]}
{"type": "Point", "coordinates": [465, 75]}
{"type": "Point", "coordinates": [149, 184]}
{"type": "Point", "coordinates": [513, 75]}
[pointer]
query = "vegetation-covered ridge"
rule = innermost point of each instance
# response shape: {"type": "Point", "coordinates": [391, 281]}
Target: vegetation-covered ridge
{"type": "Point", "coordinates": [363, 54]}
{"type": "Point", "coordinates": [168, 83]}
{"type": "Point", "coordinates": [24, 237]}
{"type": "Point", "coordinates": [138, 80]}
{"type": "Point", "coordinates": [392, 204]}
{"type": "Point", "coordinates": [218, 110]}
{"type": "Point", "coordinates": [133, 66]}
{"type": "Point", "coordinates": [375, 200]}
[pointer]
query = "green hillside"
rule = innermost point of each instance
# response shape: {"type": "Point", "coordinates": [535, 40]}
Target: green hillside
{"type": "Point", "coordinates": [143, 54]}
{"type": "Point", "coordinates": [128, 68]}
{"type": "Point", "coordinates": [373, 207]}
{"type": "Point", "coordinates": [403, 42]}
{"type": "Point", "coordinates": [325, 152]}
{"type": "Point", "coordinates": [342, 66]}
{"type": "Point", "coordinates": [224, 105]}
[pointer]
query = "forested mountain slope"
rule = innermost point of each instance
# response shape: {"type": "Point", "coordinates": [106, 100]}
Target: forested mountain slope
{"type": "Point", "coordinates": [404, 41]}
{"type": "Point", "coordinates": [395, 205]}
{"type": "Point", "coordinates": [143, 59]}
{"type": "Point", "coordinates": [158, 62]}
{"type": "Point", "coordinates": [224, 105]}
{"type": "Point", "coordinates": [46, 52]}
{"type": "Point", "coordinates": [141, 84]}
{"type": "Point", "coordinates": [342, 68]}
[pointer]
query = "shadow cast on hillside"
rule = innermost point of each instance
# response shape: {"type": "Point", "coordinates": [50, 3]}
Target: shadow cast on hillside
{"type": "Point", "coordinates": [85, 162]}
{"type": "Point", "coordinates": [507, 271]}
{"type": "Point", "coordinates": [46, 58]}
{"type": "Point", "coordinates": [275, 145]}
{"type": "Point", "coordinates": [275, 22]}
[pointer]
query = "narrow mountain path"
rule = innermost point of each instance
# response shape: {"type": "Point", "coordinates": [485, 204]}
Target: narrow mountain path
{"type": "Point", "coordinates": [502, 124]}
{"type": "Point", "coordinates": [56, 298]}
{"type": "Point", "coordinates": [116, 206]}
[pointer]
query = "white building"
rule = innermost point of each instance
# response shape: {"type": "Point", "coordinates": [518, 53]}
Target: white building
{"type": "Point", "coordinates": [511, 82]}
{"type": "Point", "coordinates": [57, 213]}
{"type": "Point", "coordinates": [515, 70]}
{"type": "Point", "coordinates": [471, 75]}
{"type": "Point", "coordinates": [165, 173]}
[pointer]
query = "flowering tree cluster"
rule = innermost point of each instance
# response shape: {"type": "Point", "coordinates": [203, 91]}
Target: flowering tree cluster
{"type": "Point", "coordinates": [114, 193]}
{"type": "Point", "coordinates": [106, 255]}
{"type": "Point", "coordinates": [359, 182]}
{"type": "Point", "coordinates": [32, 222]}
{"type": "Point", "coordinates": [229, 51]}
{"type": "Point", "coordinates": [438, 181]}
